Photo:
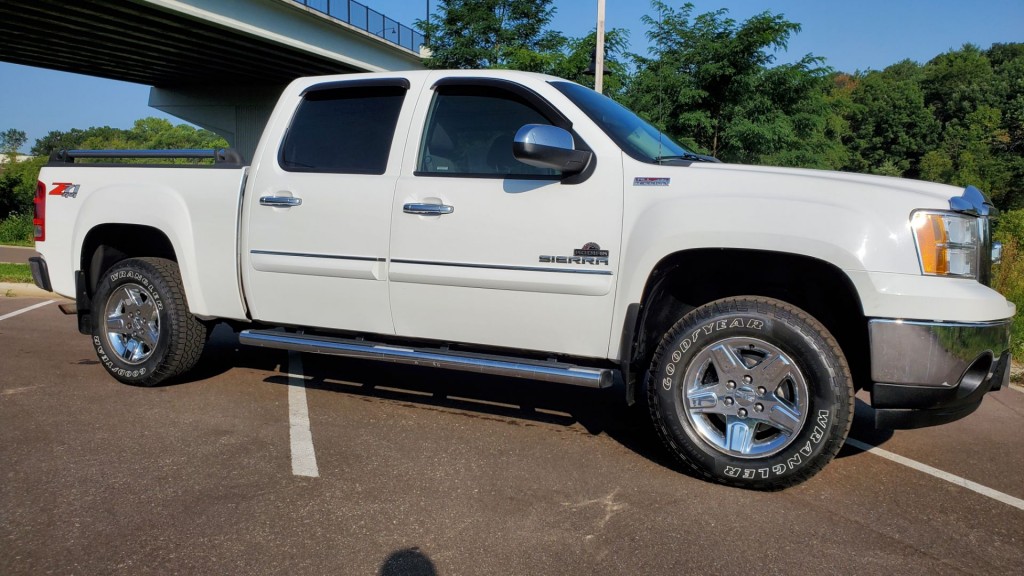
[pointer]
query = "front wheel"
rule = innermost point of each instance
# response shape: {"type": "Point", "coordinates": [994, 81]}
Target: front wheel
{"type": "Point", "coordinates": [143, 332]}
{"type": "Point", "coordinates": [751, 392]}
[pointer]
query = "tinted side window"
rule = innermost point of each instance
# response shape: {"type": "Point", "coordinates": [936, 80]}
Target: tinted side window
{"type": "Point", "coordinates": [344, 130]}
{"type": "Point", "coordinates": [470, 131]}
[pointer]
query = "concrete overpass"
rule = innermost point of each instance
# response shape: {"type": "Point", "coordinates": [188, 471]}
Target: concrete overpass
{"type": "Point", "coordinates": [219, 64]}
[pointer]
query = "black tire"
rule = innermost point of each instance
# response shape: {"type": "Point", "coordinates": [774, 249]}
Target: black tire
{"type": "Point", "coordinates": [142, 330]}
{"type": "Point", "coordinates": [751, 392]}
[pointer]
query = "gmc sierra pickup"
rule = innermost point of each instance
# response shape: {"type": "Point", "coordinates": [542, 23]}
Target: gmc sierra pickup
{"type": "Point", "coordinates": [518, 224]}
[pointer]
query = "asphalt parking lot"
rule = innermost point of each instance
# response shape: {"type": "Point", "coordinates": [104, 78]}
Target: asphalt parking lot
{"type": "Point", "coordinates": [412, 471]}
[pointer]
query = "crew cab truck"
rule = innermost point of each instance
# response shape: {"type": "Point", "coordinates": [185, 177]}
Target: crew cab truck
{"type": "Point", "coordinates": [519, 224]}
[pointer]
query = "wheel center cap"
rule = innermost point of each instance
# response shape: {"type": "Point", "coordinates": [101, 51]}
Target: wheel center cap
{"type": "Point", "coordinates": [745, 396]}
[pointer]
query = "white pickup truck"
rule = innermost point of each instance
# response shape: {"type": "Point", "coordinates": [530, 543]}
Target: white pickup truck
{"type": "Point", "coordinates": [522, 225]}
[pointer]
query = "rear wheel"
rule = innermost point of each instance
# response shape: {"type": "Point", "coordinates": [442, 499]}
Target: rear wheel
{"type": "Point", "coordinates": [751, 392]}
{"type": "Point", "coordinates": [142, 330]}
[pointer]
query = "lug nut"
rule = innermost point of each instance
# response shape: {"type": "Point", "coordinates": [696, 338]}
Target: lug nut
{"type": "Point", "coordinates": [729, 401]}
{"type": "Point", "coordinates": [743, 413]}
{"type": "Point", "coordinates": [747, 379]}
{"type": "Point", "coordinates": [730, 384]}
{"type": "Point", "coordinates": [762, 390]}
{"type": "Point", "coordinates": [758, 407]}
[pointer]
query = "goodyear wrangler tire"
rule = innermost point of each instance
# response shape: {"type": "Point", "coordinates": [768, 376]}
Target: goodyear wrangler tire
{"type": "Point", "coordinates": [143, 332]}
{"type": "Point", "coordinates": [751, 392]}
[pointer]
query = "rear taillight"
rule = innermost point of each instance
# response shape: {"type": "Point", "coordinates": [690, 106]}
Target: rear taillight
{"type": "Point", "coordinates": [39, 215]}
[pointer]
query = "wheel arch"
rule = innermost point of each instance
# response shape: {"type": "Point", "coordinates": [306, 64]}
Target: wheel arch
{"type": "Point", "coordinates": [107, 244]}
{"type": "Point", "coordinates": [688, 279]}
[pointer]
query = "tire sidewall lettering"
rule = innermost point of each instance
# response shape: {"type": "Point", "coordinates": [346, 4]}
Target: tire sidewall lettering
{"type": "Point", "coordinates": [131, 276]}
{"type": "Point", "coordinates": [701, 334]}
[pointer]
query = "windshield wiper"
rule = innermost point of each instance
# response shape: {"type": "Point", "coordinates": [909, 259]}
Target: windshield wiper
{"type": "Point", "coordinates": [689, 156]}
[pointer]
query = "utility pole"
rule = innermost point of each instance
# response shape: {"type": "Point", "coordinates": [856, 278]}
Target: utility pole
{"type": "Point", "coordinates": [599, 54]}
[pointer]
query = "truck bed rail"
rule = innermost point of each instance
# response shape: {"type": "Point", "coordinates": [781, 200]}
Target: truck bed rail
{"type": "Point", "coordinates": [219, 156]}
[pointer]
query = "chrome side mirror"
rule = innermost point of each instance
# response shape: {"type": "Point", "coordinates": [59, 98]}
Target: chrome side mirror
{"type": "Point", "coordinates": [546, 146]}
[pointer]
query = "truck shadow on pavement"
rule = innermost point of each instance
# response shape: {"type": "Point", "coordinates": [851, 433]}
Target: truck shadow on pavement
{"type": "Point", "coordinates": [510, 400]}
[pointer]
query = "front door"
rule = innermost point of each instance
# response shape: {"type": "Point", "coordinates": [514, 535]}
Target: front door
{"type": "Point", "coordinates": [488, 250]}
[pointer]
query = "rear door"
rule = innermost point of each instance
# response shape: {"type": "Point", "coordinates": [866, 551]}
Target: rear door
{"type": "Point", "coordinates": [319, 209]}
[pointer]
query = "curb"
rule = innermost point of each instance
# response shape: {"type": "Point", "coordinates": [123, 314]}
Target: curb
{"type": "Point", "coordinates": [17, 290]}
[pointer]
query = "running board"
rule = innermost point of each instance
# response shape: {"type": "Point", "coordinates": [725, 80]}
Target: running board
{"type": "Point", "coordinates": [551, 371]}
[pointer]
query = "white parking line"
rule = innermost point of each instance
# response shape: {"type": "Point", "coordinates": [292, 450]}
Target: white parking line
{"type": "Point", "coordinates": [951, 478]}
{"type": "Point", "coordinates": [23, 310]}
{"type": "Point", "coordinates": [303, 456]}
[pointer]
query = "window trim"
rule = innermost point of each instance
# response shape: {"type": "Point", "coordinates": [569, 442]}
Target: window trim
{"type": "Point", "coordinates": [402, 83]}
{"type": "Point", "coordinates": [358, 83]}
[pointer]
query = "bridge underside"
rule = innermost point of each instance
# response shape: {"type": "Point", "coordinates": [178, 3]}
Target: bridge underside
{"type": "Point", "coordinates": [217, 63]}
{"type": "Point", "coordinates": [146, 44]}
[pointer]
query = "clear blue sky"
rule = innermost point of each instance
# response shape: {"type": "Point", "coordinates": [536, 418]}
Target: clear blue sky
{"type": "Point", "coordinates": [850, 34]}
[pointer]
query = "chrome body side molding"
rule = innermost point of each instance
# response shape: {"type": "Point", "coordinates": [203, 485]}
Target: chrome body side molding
{"type": "Point", "coordinates": [556, 372]}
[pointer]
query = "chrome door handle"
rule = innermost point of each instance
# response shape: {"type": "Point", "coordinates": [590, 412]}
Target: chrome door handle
{"type": "Point", "coordinates": [280, 201]}
{"type": "Point", "coordinates": [428, 209]}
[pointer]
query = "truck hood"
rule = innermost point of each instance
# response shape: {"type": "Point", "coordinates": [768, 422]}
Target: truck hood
{"type": "Point", "coordinates": [861, 186]}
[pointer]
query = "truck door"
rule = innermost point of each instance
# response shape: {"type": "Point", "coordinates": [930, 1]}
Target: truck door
{"type": "Point", "coordinates": [488, 250]}
{"type": "Point", "coordinates": [319, 209]}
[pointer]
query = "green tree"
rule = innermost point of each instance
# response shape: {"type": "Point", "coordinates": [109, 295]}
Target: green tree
{"type": "Point", "coordinates": [710, 82]}
{"type": "Point", "coordinates": [492, 34]}
{"type": "Point", "coordinates": [890, 126]}
{"type": "Point", "coordinates": [958, 82]}
{"type": "Point", "coordinates": [18, 186]}
{"type": "Point", "coordinates": [145, 133]}
{"type": "Point", "coordinates": [56, 140]}
{"type": "Point", "coordinates": [1008, 64]}
{"type": "Point", "coordinates": [578, 53]}
{"type": "Point", "coordinates": [11, 140]}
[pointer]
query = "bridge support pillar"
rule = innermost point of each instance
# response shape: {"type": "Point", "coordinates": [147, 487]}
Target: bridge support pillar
{"type": "Point", "coordinates": [238, 113]}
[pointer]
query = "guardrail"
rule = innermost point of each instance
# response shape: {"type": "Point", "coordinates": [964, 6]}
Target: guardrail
{"type": "Point", "coordinates": [368, 19]}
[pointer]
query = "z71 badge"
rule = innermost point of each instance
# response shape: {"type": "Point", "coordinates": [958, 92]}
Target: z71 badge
{"type": "Point", "coordinates": [65, 189]}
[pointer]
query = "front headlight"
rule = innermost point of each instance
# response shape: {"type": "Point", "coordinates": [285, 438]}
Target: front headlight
{"type": "Point", "coordinates": [948, 244]}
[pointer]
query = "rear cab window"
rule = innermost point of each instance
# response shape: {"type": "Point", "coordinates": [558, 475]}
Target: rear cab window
{"type": "Point", "coordinates": [343, 128]}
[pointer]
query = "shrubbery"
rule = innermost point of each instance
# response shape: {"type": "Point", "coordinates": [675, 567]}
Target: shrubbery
{"type": "Point", "coordinates": [1009, 274]}
{"type": "Point", "coordinates": [17, 230]}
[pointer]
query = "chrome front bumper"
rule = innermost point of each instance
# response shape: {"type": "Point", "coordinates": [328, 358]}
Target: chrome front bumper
{"type": "Point", "coordinates": [929, 373]}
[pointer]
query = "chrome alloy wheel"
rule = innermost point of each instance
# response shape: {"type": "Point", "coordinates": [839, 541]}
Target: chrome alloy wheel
{"type": "Point", "coordinates": [132, 323]}
{"type": "Point", "coordinates": [745, 397]}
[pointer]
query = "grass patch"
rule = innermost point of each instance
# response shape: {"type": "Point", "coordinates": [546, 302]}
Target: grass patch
{"type": "Point", "coordinates": [19, 273]}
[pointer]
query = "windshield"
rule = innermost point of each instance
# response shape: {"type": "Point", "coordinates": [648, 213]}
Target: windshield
{"type": "Point", "coordinates": [635, 136]}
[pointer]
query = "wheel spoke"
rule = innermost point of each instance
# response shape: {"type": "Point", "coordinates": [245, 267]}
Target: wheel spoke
{"type": "Point", "coordinates": [149, 334]}
{"type": "Point", "coordinates": [771, 372]}
{"type": "Point", "coordinates": [703, 400]}
{"type": "Point", "coordinates": [117, 325]}
{"type": "Point", "coordinates": [739, 434]}
{"type": "Point", "coordinates": [130, 349]}
{"type": "Point", "coordinates": [148, 309]}
{"type": "Point", "coordinates": [135, 296]}
{"type": "Point", "coordinates": [784, 416]}
{"type": "Point", "coordinates": [726, 361]}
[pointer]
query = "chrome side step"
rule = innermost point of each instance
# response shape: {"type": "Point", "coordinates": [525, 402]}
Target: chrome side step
{"type": "Point", "coordinates": [552, 371]}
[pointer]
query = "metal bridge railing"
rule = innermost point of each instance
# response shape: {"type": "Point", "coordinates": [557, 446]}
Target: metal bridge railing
{"type": "Point", "coordinates": [365, 18]}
